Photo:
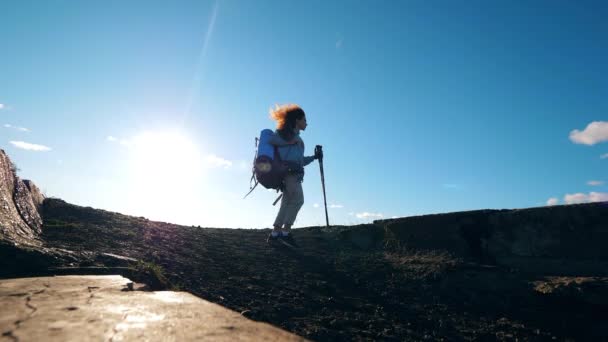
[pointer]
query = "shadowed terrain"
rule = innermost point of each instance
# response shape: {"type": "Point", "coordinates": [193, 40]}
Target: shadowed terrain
{"type": "Point", "coordinates": [363, 282]}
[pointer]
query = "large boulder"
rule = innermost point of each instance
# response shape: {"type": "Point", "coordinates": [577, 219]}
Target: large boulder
{"type": "Point", "coordinates": [28, 204]}
{"type": "Point", "coordinates": [35, 193]}
{"type": "Point", "coordinates": [567, 239]}
{"type": "Point", "coordinates": [20, 203]}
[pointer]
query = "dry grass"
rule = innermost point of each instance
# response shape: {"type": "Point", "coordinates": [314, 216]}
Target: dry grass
{"type": "Point", "coordinates": [423, 265]}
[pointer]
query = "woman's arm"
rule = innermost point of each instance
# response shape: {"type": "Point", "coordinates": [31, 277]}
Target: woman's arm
{"type": "Point", "coordinates": [308, 160]}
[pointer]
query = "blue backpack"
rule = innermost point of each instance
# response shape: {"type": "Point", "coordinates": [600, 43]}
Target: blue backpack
{"type": "Point", "coordinates": [268, 168]}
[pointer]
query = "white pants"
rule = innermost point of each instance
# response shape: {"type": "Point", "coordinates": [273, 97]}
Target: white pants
{"type": "Point", "coordinates": [292, 201]}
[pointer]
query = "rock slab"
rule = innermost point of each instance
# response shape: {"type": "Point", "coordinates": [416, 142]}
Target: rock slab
{"type": "Point", "coordinates": [105, 308]}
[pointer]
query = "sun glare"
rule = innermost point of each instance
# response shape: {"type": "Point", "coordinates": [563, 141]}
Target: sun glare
{"type": "Point", "coordinates": [165, 166]}
{"type": "Point", "coordinates": [165, 154]}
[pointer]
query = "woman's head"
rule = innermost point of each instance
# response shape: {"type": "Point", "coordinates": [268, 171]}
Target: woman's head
{"type": "Point", "coordinates": [289, 117]}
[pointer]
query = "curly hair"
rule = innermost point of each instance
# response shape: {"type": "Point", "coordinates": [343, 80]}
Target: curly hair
{"type": "Point", "coordinates": [286, 116]}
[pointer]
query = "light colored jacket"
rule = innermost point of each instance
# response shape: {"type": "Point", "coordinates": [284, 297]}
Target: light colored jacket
{"type": "Point", "coordinates": [291, 152]}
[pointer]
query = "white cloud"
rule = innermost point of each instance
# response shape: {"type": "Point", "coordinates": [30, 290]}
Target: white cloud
{"type": "Point", "coordinates": [111, 138]}
{"type": "Point", "coordinates": [365, 215]}
{"type": "Point", "coordinates": [22, 129]}
{"type": "Point", "coordinates": [576, 198]}
{"type": "Point", "coordinates": [30, 147]}
{"type": "Point", "coordinates": [316, 205]}
{"type": "Point", "coordinates": [604, 156]}
{"type": "Point", "coordinates": [595, 183]}
{"type": "Point", "coordinates": [553, 201]}
{"type": "Point", "coordinates": [586, 198]}
{"type": "Point", "coordinates": [2, 106]}
{"type": "Point", "coordinates": [215, 161]}
{"type": "Point", "coordinates": [336, 206]}
{"type": "Point", "coordinates": [594, 133]}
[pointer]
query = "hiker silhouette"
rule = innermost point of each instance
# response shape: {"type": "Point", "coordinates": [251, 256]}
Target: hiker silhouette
{"type": "Point", "coordinates": [291, 120]}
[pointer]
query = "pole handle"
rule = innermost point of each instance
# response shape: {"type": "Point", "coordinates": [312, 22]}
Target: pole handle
{"type": "Point", "coordinates": [319, 152]}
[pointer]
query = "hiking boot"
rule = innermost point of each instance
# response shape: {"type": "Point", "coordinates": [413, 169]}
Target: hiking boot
{"type": "Point", "coordinates": [272, 239]}
{"type": "Point", "coordinates": [290, 240]}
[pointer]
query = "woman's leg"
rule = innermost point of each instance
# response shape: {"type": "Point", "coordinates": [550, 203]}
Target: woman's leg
{"type": "Point", "coordinates": [293, 186]}
{"type": "Point", "coordinates": [285, 200]}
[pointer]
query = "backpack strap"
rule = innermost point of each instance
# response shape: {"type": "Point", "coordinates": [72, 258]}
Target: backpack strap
{"type": "Point", "coordinates": [277, 155]}
{"type": "Point", "coordinates": [256, 184]}
{"type": "Point", "coordinates": [277, 200]}
{"type": "Point", "coordinates": [253, 180]}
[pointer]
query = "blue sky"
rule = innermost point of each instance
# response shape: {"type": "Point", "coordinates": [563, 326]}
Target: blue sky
{"type": "Point", "coordinates": [150, 108]}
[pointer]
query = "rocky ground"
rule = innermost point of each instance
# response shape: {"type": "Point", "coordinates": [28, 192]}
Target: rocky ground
{"type": "Point", "coordinates": [343, 283]}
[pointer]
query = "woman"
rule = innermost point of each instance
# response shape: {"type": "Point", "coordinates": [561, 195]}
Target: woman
{"type": "Point", "coordinates": [290, 119]}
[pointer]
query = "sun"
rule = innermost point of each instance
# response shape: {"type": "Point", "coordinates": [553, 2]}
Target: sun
{"type": "Point", "coordinates": [163, 154]}
{"type": "Point", "coordinates": [164, 166]}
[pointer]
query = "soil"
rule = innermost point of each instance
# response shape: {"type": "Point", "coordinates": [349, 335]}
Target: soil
{"type": "Point", "coordinates": [332, 287]}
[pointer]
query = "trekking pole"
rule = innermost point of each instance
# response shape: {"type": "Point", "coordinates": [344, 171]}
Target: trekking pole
{"type": "Point", "coordinates": [319, 152]}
